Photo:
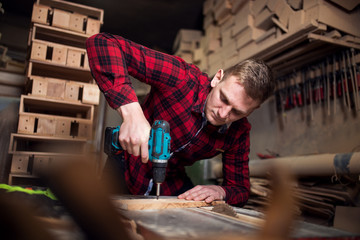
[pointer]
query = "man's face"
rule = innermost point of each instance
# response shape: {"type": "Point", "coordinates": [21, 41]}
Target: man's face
{"type": "Point", "coordinates": [227, 101]}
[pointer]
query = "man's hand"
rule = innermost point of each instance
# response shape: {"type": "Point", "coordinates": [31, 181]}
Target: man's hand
{"type": "Point", "coordinates": [208, 193]}
{"type": "Point", "coordinates": [134, 131]}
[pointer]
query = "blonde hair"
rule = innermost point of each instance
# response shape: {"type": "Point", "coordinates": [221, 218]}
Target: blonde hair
{"type": "Point", "coordinates": [255, 76]}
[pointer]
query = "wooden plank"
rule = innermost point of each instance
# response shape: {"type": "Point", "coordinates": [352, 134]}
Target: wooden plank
{"type": "Point", "coordinates": [259, 222]}
{"type": "Point", "coordinates": [340, 42]}
{"type": "Point", "coordinates": [335, 17]}
{"type": "Point", "coordinates": [347, 4]}
{"type": "Point", "coordinates": [263, 20]}
{"type": "Point", "coordinates": [142, 204]}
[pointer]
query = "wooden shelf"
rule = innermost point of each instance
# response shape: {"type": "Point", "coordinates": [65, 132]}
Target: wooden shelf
{"type": "Point", "coordinates": [53, 70]}
{"type": "Point", "coordinates": [57, 35]}
{"type": "Point", "coordinates": [61, 109]}
{"type": "Point", "coordinates": [292, 51]}
{"type": "Point", "coordinates": [92, 12]}
{"type": "Point", "coordinates": [44, 145]}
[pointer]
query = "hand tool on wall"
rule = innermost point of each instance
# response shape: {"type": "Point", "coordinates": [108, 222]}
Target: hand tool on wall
{"type": "Point", "coordinates": [356, 74]}
{"type": "Point", "coordinates": [345, 83]}
{"type": "Point", "coordinates": [352, 78]}
{"type": "Point", "coordinates": [327, 86]}
{"type": "Point", "coordinates": [334, 81]}
{"type": "Point", "coordinates": [311, 95]}
{"type": "Point", "coordinates": [159, 148]}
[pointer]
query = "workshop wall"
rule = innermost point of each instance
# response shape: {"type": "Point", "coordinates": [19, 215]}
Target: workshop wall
{"type": "Point", "coordinates": [295, 133]}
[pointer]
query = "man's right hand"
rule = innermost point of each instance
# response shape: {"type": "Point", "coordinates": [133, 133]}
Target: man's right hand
{"type": "Point", "coordinates": [135, 131]}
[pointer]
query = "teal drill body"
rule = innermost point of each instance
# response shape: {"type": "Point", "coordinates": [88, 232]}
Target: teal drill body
{"type": "Point", "coordinates": [159, 148]}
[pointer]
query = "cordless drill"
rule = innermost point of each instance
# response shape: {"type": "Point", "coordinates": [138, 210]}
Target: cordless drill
{"type": "Point", "coordinates": [159, 148]}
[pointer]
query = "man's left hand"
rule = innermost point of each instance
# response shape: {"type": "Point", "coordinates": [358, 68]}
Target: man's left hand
{"type": "Point", "coordinates": [208, 193]}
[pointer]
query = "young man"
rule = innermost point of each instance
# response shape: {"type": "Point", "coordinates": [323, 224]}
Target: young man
{"type": "Point", "coordinates": [207, 117]}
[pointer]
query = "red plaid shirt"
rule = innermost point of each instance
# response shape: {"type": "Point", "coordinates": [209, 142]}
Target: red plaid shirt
{"type": "Point", "coordinates": [178, 95]}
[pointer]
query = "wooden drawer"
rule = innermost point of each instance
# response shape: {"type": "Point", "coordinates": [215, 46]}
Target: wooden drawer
{"type": "Point", "coordinates": [19, 163]}
{"type": "Point", "coordinates": [61, 19]}
{"type": "Point", "coordinates": [92, 26]}
{"type": "Point", "coordinates": [74, 58]}
{"type": "Point", "coordinates": [40, 14]}
{"type": "Point", "coordinates": [38, 51]}
{"type": "Point", "coordinates": [77, 22]}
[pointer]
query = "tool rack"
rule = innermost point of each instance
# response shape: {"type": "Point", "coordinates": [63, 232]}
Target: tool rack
{"type": "Point", "coordinates": [57, 113]}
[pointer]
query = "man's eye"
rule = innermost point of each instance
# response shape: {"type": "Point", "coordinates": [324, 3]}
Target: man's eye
{"type": "Point", "coordinates": [223, 99]}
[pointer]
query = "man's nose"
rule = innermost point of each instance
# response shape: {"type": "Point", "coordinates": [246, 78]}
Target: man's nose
{"type": "Point", "coordinates": [225, 111]}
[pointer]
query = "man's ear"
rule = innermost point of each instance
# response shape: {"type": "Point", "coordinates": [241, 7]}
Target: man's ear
{"type": "Point", "coordinates": [217, 78]}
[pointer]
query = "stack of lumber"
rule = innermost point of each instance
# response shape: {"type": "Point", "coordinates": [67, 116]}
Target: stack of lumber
{"type": "Point", "coordinates": [317, 198]}
{"type": "Point", "coordinates": [235, 30]}
{"type": "Point", "coordinates": [186, 42]}
{"type": "Point", "coordinates": [325, 181]}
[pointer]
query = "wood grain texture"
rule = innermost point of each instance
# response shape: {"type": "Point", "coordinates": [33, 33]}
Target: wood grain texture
{"type": "Point", "coordinates": [143, 204]}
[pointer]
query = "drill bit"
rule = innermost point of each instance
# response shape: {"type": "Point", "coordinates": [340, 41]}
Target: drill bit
{"type": "Point", "coordinates": [157, 191]}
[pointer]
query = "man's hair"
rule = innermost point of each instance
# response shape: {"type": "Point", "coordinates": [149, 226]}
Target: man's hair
{"type": "Point", "coordinates": [255, 76]}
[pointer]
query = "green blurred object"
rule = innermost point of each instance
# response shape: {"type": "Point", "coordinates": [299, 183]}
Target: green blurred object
{"type": "Point", "coordinates": [196, 174]}
{"type": "Point", "coordinates": [46, 192]}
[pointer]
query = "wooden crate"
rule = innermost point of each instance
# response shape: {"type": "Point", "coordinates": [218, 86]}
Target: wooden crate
{"type": "Point", "coordinates": [47, 87]}
{"type": "Point", "coordinates": [85, 131]}
{"type": "Point", "coordinates": [77, 22]}
{"type": "Point", "coordinates": [74, 8]}
{"type": "Point", "coordinates": [46, 126]}
{"type": "Point", "coordinates": [40, 14]}
{"type": "Point", "coordinates": [63, 128]}
{"type": "Point", "coordinates": [54, 126]}
{"type": "Point", "coordinates": [38, 51]}
{"type": "Point", "coordinates": [64, 90]}
{"type": "Point", "coordinates": [74, 58]}
{"type": "Point", "coordinates": [92, 26]}
{"type": "Point", "coordinates": [20, 163]}
{"type": "Point", "coordinates": [61, 18]}
{"type": "Point", "coordinates": [91, 94]}
{"type": "Point", "coordinates": [72, 91]}
{"type": "Point", "coordinates": [57, 54]}
{"type": "Point", "coordinates": [26, 124]}
{"type": "Point", "coordinates": [40, 164]}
